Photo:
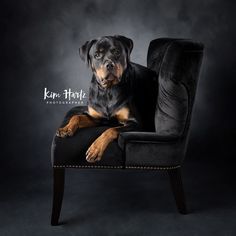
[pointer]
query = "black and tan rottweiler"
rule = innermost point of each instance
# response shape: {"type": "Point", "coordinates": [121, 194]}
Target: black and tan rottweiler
{"type": "Point", "coordinates": [110, 93]}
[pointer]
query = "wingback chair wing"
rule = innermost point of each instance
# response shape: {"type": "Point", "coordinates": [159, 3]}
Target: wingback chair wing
{"type": "Point", "coordinates": [165, 102]}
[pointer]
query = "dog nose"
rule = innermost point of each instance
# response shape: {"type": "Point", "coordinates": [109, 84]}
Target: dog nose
{"type": "Point", "coordinates": [110, 66]}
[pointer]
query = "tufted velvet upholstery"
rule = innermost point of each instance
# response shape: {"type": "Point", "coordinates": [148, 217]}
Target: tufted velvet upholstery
{"type": "Point", "coordinates": [165, 95]}
{"type": "Point", "coordinates": [178, 63]}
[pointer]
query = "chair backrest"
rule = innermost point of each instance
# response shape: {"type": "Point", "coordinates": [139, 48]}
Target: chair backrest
{"type": "Point", "coordinates": [177, 63]}
{"type": "Point", "coordinates": [144, 88]}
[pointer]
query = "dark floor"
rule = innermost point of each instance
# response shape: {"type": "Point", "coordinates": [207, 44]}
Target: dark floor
{"type": "Point", "coordinates": [118, 202]}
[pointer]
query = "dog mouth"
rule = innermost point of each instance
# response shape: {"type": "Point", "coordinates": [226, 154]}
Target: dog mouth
{"type": "Point", "coordinates": [110, 77]}
{"type": "Point", "coordinates": [109, 80]}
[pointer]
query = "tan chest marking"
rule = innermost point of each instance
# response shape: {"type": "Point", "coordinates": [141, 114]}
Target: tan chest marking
{"type": "Point", "coordinates": [122, 115]}
{"type": "Point", "coordinates": [94, 113]}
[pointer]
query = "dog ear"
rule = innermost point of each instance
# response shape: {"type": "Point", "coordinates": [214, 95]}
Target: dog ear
{"type": "Point", "coordinates": [84, 51]}
{"type": "Point", "coordinates": [128, 43]}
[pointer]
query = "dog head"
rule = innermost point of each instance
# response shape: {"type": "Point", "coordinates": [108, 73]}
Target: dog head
{"type": "Point", "coordinates": [108, 58]}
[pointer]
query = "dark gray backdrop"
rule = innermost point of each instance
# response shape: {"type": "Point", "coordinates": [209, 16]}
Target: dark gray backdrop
{"type": "Point", "coordinates": [40, 44]}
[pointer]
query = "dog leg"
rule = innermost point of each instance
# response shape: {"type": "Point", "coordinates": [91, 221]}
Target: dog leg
{"type": "Point", "coordinates": [76, 121]}
{"type": "Point", "coordinates": [97, 148]}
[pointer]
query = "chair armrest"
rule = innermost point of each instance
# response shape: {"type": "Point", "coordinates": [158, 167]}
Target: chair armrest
{"type": "Point", "coordinates": [144, 137]}
{"type": "Point", "coordinates": [150, 149]}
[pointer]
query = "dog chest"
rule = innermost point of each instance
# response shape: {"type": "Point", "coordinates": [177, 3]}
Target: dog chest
{"type": "Point", "coordinates": [107, 101]}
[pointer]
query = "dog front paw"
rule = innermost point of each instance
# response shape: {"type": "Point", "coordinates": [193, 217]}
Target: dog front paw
{"type": "Point", "coordinates": [94, 153]}
{"type": "Point", "coordinates": [64, 132]}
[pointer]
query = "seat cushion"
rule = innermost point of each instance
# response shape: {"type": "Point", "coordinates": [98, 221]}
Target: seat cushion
{"type": "Point", "coordinates": [70, 151]}
{"type": "Point", "coordinates": [131, 150]}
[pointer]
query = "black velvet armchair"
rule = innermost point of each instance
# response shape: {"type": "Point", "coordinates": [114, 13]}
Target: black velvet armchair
{"type": "Point", "coordinates": [165, 100]}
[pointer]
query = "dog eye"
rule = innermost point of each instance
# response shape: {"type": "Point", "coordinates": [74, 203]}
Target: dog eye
{"type": "Point", "coordinates": [97, 55]}
{"type": "Point", "coordinates": [116, 52]}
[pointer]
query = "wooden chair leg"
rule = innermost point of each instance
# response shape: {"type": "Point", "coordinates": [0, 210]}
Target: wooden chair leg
{"type": "Point", "coordinates": [58, 191]}
{"type": "Point", "coordinates": [177, 189]}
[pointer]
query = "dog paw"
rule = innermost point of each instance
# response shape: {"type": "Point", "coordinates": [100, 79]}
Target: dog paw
{"type": "Point", "coordinates": [64, 132]}
{"type": "Point", "coordinates": [94, 153]}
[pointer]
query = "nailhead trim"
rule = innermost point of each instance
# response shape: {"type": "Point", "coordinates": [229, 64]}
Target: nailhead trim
{"type": "Point", "coordinates": [86, 166]}
{"type": "Point", "coordinates": [153, 167]}
{"type": "Point", "coordinates": [119, 167]}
